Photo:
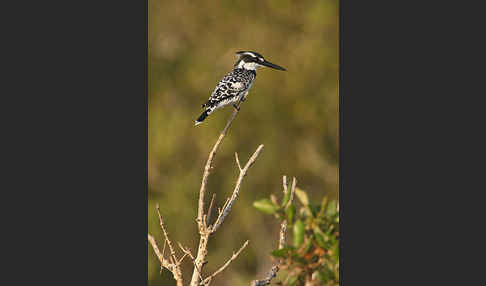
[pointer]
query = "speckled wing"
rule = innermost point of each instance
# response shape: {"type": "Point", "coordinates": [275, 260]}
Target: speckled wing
{"type": "Point", "coordinates": [229, 89]}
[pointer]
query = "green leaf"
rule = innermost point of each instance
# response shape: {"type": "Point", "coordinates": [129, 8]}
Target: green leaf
{"type": "Point", "coordinates": [336, 252]}
{"type": "Point", "coordinates": [325, 274]}
{"type": "Point", "coordinates": [323, 207]}
{"type": "Point", "coordinates": [286, 198]}
{"type": "Point", "coordinates": [322, 276]}
{"type": "Point", "coordinates": [290, 212]}
{"type": "Point", "coordinates": [332, 208]}
{"type": "Point", "coordinates": [309, 244]}
{"type": "Point", "coordinates": [302, 196]}
{"type": "Point", "coordinates": [300, 260]}
{"type": "Point", "coordinates": [299, 231]}
{"type": "Point", "coordinates": [322, 238]}
{"type": "Point", "coordinates": [291, 280]}
{"type": "Point", "coordinates": [265, 205]}
{"type": "Point", "coordinates": [283, 252]}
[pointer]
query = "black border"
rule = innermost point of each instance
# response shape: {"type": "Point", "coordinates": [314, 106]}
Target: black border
{"type": "Point", "coordinates": [79, 145]}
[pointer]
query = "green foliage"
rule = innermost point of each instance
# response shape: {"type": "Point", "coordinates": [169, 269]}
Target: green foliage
{"type": "Point", "coordinates": [299, 233]}
{"type": "Point", "coordinates": [266, 206]}
{"type": "Point", "coordinates": [314, 253]}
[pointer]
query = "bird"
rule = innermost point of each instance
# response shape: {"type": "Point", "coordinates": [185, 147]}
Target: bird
{"type": "Point", "coordinates": [234, 87]}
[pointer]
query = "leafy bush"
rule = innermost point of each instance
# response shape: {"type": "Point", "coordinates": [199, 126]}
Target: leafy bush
{"type": "Point", "coordinates": [313, 256]}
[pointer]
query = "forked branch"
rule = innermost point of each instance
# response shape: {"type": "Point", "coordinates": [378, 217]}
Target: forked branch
{"type": "Point", "coordinates": [207, 281]}
{"type": "Point", "coordinates": [203, 220]}
{"type": "Point", "coordinates": [207, 170]}
{"type": "Point", "coordinates": [236, 191]}
{"type": "Point", "coordinates": [172, 264]}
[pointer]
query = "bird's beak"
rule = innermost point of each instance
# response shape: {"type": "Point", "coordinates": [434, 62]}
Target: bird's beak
{"type": "Point", "coordinates": [273, 66]}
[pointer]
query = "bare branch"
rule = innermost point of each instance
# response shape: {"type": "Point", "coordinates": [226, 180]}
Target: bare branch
{"type": "Point", "coordinates": [271, 274]}
{"type": "Point", "coordinates": [176, 270]}
{"type": "Point", "coordinates": [281, 242]}
{"type": "Point", "coordinates": [238, 161]}
{"type": "Point", "coordinates": [185, 250]}
{"type": "Point", "coordinates": [182, 258]}
{"type": "Point", "coordinates": [164, 263]}
{"type": "Point", "coordinates": [188, 252]}
{"type": "Point", "coordinates": [283, 232]}
{"type": "Point", "coordinates": [207, 170]}
{"type": "Point", "coordinates": [292, 191]}
{"type": "Point", "coordinates": [227, 207]}
{"type": "Point", "coordinates": [285, 184]}
{"type": "Point", "coordinates": [210, 209]}
{"type": "Point", "coordinates": [162, 260]}
{"type": "Point", "coordinates": [172, 252]}
{"type": "Point", "coordinates": [163, 249]}
{"type": "Point", "coordinates": [294, 183]}
{"type": "Point", "coordinates": [233, 257]}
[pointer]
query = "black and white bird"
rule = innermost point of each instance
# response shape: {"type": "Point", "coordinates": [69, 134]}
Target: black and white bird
{"type": "Point", "coordinates": [235, 85]}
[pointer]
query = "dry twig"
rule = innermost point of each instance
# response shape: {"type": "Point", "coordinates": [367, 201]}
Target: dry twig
{"type": "Point", "coordinates": [236, 191]}
{"type": "Point", "coordinates": [210, 209]}
{"type": "Point", "coordinates": [173, 265]}
{"type": "Point", "coordinates": [273, 272]}
{"type": "Point", "coordinates": [172, 252]}
{"type": "Point", "coordinates": [207, 281]}
{"type": "Point", "coordinates": [281, 242]}
{"type": "Point", "coordinates": [207, 169]}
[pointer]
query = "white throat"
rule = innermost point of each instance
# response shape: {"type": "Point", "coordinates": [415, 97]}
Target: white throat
{"type": "Point", "coordinates": [248, 66]}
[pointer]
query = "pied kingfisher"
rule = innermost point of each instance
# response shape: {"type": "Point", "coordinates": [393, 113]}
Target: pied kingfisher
{"type": "Point", "coordinates": [235, 85]}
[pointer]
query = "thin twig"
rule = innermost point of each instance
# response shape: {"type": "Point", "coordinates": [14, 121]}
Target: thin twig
{"type": "Point", "coordinates": [182, 258]}
{"type": "Point", "coordinates": [292, 191]}
{"type": "Point", "coordinates": [283, 231]}
{"type": "Point", "coordinates": [233, 257]}
{"type": "Point", "coordinates": [227, 207]}
{"type": "Point", "coordinates": [176, 269]}
{"type": "Point", "coordinates": [188, 252]}
{"type": "Point", "coordinates": [210, 210]}
{"type": "Point", "coordinates": [185, 250]}
{"type": "Point", "coordinates": [162, 260]}
{"type": "Point", "coordinates": [271, 274]}
{"type": "Point", "coordinates": [208, 167]}
{"type": "Point", "coordinates": [163, 249]}
{"type": "Point", "coordinates": [172, 252]}
{"type": "Point", "coordinates": [172, 267]}
{"type": "Point", "coordinates": [285, 184]}
{"type": "Point", "coordinates": [237, 161]}
{"type": "Point", "coordinates": [281, 242]}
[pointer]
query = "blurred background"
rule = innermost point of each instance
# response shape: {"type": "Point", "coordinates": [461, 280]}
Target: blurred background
{"type": "Point", "coordinates": [294, 113]}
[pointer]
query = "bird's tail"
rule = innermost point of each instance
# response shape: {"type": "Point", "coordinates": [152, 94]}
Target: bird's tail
{"type": "Point", "coordinates": [203, 116]}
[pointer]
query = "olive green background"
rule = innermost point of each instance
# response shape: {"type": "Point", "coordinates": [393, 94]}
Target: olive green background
{"type": "Point", "coordinates": [294, 113]}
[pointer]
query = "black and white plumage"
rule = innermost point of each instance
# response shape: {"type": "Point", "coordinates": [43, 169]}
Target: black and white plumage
{"type": "Point", "coordinates": [235, 85]}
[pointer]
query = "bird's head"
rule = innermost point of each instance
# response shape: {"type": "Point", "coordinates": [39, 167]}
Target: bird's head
{"type": "Point", "coordinates": [252, 60]}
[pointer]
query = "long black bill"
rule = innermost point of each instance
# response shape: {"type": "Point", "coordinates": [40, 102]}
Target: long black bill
{"type": "Point", "coordinates": [274, 66]}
